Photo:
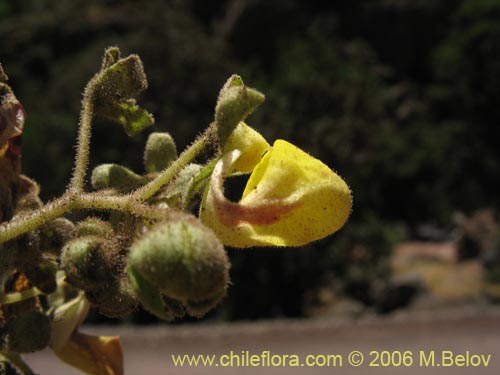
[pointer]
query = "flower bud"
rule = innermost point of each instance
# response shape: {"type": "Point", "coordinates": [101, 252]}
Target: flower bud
{"type": "Point", "coordinates": [28, 195]}
{"type": "Point", "coordinates": [236, 101]}
{"type": "Point", "coordinates": [23, 338]}
{"type": "Point", "coordinates": [25, 250]}
{"type": "Point", "coordinates": [55, 234]}
{"type": "Point", "coordinates": [183, 259]}
{"type": "Point", "coordinates": [85, 262]}
{"type": "Point", "coordinates": [93, 226]}
{"type": "Point", "coordinates": [114, 176]}
{"type": "Point", "coordinates": [151, 298]}
{"type": "Point", "coordinates": [115, 300]}
{"type": "Point", "coordinates": [198, 309]}
{"type": "Point", "coordinates": [160, 152]}
{"type": "Point", "coordinates": [43, 276]}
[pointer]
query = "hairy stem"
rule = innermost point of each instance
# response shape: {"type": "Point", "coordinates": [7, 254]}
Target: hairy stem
{"type": "Point", "coordinates": [83, 141]}
{"type": "Point", "coordinates": [75, 199]}
{"type": "Point", "coordinates": [68, 203]}
{"type": "Point", "coordinates": [24, 223]}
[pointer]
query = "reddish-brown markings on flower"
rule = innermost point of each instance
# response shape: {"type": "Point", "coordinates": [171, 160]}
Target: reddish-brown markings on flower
{"type": "Point", "coordinates": [233, 214]}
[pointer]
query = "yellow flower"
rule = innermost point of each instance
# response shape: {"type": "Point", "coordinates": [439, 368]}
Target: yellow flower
{"type": "Point", "coordinates": [99, 355]}
{"type": "Point", "coordinates": [290, 199]}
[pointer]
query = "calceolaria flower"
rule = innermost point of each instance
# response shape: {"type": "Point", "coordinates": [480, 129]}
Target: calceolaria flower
{"type": "Point", "coordinates": [290, 199]}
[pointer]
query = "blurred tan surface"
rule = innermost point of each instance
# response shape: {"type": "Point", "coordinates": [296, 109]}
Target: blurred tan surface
{"type": "Point", "coordinates": [148, 349]}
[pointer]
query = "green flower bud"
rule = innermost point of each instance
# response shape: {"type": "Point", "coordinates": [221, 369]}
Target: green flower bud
{"type": "Point", "coordinates": [118, 177]}
{"type": "Point", "coordinates": [183, 259]}
{"type": "Point", "coordinates": [55, 234]}
{"type": "Point", "coordinates": [93, 226]}
{"type": "Point", "coordinates": [24, 250]}
{"type": "Point", "coordinates": [151, 298]}
{"type": "Point", "coordinates": [28, 195]}
{"type": "Point", "coordinates": [43, 276]}
{"type": "Point", "coordinates": [28, 203]}
{"type": "Point", "coordinates": [85, 261]}
{"type": "Point", "coordinates": [160, 152]}
{"type": "Point", "coordinates": [29, 332]}
{"type": "Point", "coordinates": [236, 101]}
{"type": "Point", "coordinates": [115, 300]}
{"type": "Point", "coordinates": [198, 309]}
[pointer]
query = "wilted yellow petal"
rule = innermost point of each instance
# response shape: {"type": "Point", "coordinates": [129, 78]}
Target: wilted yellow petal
{"type": "Point", "coordinates": [66, 319]}
{"type": "Point", "coordinates": [97, 355]}
{"type": "Point", "coordinates": [251, 144]}
{"type": "Point", "coordinates": [291, 199]}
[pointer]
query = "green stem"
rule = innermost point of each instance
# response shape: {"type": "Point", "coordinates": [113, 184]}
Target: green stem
{"type": "Point", "coordinates": [125, 203]}
{"type": "Point", "coordinates": [24, 223]}
{"type": "Point", "coordinates": [147, 191]}
{"type": "Point", "coordinates": [68, 202]}
{"type": "Point", "coordinates": [83, 142]}
{"type": "Point", "coordinates": [75, 199]}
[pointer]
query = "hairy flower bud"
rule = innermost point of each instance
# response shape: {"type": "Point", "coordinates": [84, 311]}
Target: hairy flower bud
{"type": "Point", "coordinates": [85, 262]}
{"type": "Point", "coordinates": [93, 226]}
{"type": "Point", "coordinates": [236, 101]}
{"type": "Point", "coordinates": [115, 300]}
{"type": "Point", "coordinates": [198, 309]}
{"type": "Point", "coordinates": [55, 234]}
{"type": "Point", "coordinates": [43, 276]}
{"type": "Point", "coordinates": [28, 195]}
{"type": "Point", "coordinates": [115, 176]}
{"type": "Point", "coordinates": [151, 298]}
{"type": "Point", "coordinates": [23, 338]}
{"type": "Point", "coordinates": [160, 152]}
{"type": "Point", "coordinates": [183, 259]}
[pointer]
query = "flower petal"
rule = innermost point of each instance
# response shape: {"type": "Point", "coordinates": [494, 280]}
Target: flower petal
{"type": "Point", "coordinates": [251, 144]}
{"type": "Point", "coordinates": [99, 355]}
{"type": "Point", "coordinates": [291, 199]}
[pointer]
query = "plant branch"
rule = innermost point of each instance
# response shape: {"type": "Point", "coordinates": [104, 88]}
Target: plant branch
{"type": "Point", "coordinates": [68, 203]}
{"type": "Point", "coordinates": [83, 141]}
{"type": "Point", "coordinates": [75, 199]}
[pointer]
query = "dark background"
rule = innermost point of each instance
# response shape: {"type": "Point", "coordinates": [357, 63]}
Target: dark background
{"type": "Point", "coordinates": [402, 98]}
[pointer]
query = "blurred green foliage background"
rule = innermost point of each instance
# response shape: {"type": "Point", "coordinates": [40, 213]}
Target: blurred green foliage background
{"type": "Point", "coordinates": [400, 97]}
